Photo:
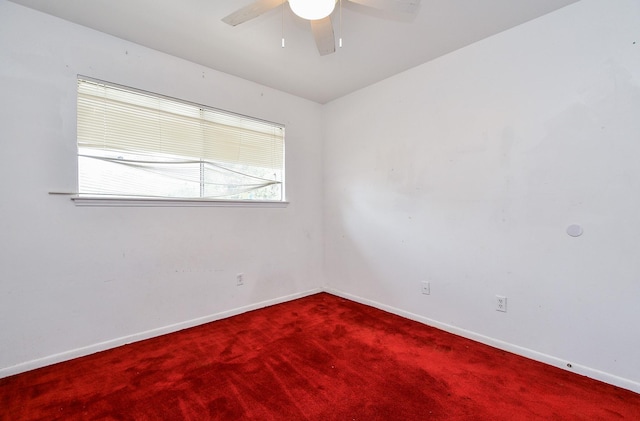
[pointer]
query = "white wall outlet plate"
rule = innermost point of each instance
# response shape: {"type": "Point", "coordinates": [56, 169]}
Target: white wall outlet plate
{"type": "Point", "coordinates": [501, 303]}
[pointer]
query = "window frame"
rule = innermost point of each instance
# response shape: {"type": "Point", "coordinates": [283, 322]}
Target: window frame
{"type": "Point", "coordinates": [88, 199]}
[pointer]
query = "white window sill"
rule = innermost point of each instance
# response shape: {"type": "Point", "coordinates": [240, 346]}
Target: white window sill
{"type": "Point", "coordinates": [147, 202]}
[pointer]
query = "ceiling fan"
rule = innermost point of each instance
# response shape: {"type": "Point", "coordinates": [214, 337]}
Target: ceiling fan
{"type": "Point", "coordinates": [318, 13]}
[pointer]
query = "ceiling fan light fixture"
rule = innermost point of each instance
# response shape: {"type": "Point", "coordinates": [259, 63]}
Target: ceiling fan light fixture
{"type": "Point", "coordinates": [312, 9]}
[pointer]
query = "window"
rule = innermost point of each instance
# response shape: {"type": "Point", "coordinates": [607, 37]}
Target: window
{"type": "Point", "coordinates": [137, 145]}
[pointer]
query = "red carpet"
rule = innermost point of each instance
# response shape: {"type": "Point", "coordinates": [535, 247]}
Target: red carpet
{"type": "Point", "coordinates": [316, 358]}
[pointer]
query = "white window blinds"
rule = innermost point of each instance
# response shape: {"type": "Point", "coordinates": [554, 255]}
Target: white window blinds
{"type": "Point", "coordinates": [133, 143]}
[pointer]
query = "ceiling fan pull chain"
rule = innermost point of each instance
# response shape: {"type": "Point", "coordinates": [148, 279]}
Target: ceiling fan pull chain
{"type": "Point", "coordinates": [340, 28]}
{"type": "Point", "coordinates": [283, 23]}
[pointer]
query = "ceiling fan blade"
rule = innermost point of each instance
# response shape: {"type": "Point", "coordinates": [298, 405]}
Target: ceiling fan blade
{"type": "Point", "coordinates": [323, 33]}
{"type": "Point", "coordinates": [251, 11]}
{"type": "Point", "coordinates": [401, 6]}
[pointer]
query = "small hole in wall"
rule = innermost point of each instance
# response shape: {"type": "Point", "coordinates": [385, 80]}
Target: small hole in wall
{"type": "Point", "coordinates": [569, 365]}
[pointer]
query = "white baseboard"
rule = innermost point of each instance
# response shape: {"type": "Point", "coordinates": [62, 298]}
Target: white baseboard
{"type": "Point", "coordinates": [102, 346]}
{"type": "Point", "coordinates": [496, 343]}
{"type": "Point", "coordinates": [525, 352]}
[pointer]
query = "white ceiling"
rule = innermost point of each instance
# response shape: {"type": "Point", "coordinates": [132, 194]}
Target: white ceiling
{"type": "Point", "coordinates": [376, 45]}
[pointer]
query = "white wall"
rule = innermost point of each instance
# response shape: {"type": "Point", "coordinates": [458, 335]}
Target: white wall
{"type": "Point", "coordinates": [466, 171]}
{"type": "Point", "coordinates": [73, 277]}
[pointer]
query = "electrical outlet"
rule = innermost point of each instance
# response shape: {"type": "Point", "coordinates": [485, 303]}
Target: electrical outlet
{"type": "Point", "coordinates": [426, 288]}
{"type": "Point", "coordinates": [240, 279]}
{"type": "Point", "coordinates": [501, 303]}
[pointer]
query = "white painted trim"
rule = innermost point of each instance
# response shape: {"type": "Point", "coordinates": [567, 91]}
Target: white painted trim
{"type": "Point", "coordinates": [103, 346]}
{"type": "Point", "coordinates": [505, 346]}
{"type": "Point", "coordinates": [80, 200]}
{"type": "Point", "coordinates": [496, 343]}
